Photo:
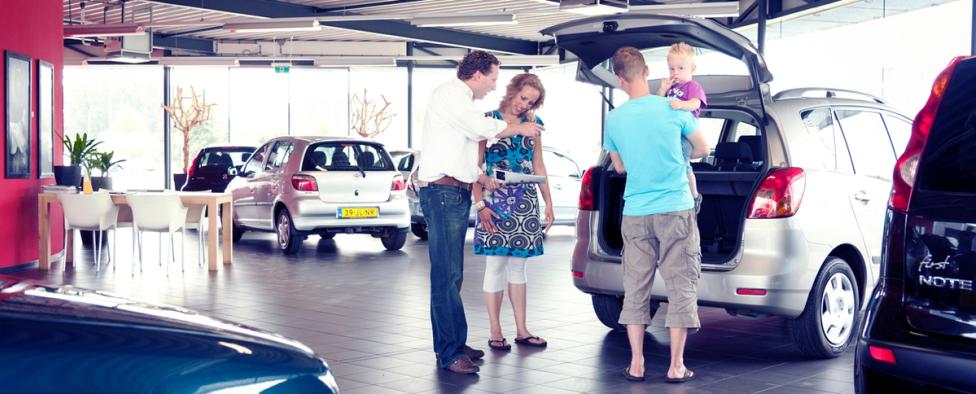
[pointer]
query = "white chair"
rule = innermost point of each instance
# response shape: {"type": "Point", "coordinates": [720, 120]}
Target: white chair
{"type": "Point", "coordinates": [93, 212]}
{"type": "Point", "coordinates": [159, 213]}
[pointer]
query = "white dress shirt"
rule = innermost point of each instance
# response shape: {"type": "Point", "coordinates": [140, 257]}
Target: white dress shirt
{"type": "Point", "coordinates": [452, 128]}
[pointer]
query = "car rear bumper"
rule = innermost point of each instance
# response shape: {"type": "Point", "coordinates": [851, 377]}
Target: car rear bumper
{"type": "Point", "coordinates": [314, 214]}
{"type": "Point", "coordinates": [915, 369]}
{"type": "Point", "coordinates": [773, 257]}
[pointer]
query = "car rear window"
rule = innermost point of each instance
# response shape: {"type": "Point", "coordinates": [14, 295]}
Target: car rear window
{"type": "Point", "coordinates": [949, 162]}
{"type": "Point", "coordinates": [224, 157]}
{"type": "Point", "coordinates": [346, 156]}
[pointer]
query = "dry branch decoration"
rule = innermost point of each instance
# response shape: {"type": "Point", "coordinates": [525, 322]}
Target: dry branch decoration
{"type": "Point", "coordinates": [369, 119]}
{"type": "Point", "coordinates": [187, 118]}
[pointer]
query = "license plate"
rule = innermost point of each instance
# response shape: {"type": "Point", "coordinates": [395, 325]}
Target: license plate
{"type": "Point", "coordinates": [359, 212]}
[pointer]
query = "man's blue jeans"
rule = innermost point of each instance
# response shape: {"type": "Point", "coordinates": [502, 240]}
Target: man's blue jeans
{"type": "Point", "coordinates": [446, 212]}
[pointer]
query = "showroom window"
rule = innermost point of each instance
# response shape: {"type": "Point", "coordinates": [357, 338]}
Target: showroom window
{"type": "Point", "coordinates": [258, 105]}
{"type": "Point", "coordinates": [319, 101]}
{"type": "Point", "coordinates": [210, 83]}
{"type": "Point", "coordinates": [120, 106]}
{"type": "Point", "coordinates": [379, 83]}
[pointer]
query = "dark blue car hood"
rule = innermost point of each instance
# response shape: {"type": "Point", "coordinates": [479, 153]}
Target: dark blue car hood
{"type": "Point", "coordinates": [65, 339]}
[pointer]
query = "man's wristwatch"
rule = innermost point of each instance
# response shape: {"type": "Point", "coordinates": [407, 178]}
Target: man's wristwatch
{"type": "Point", "coordinates": [478, 206]}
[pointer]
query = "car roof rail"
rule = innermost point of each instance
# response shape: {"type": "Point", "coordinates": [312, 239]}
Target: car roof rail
{"type": "Point", "coordinates": [828, 93]}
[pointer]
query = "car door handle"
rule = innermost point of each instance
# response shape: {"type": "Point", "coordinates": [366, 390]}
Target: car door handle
{"type": "Point", "coordinates": [862, 196]}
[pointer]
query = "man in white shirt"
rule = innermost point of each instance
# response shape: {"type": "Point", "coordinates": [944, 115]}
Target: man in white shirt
{"type": "Point", "coordinates": [449, 165]}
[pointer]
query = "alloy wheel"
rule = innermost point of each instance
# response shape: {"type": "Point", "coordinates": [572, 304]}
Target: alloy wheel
{"type": "Point", "coordinates": [837, 309]}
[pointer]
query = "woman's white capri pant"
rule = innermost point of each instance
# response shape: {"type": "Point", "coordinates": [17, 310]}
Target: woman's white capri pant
{"type": "Point", "coordinates": [500, 270]}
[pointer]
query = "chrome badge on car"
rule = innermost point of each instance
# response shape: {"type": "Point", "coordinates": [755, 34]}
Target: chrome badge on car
{"type": "Point", "coordinates": [933, 274]}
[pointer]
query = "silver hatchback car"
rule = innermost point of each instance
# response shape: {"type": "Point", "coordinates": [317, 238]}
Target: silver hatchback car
{"type": "Point", "coordinates": [795, 188]}
{"type": "Point", "coordinates": [296, 186]}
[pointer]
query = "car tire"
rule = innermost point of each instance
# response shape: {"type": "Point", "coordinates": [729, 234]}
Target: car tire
{"type": "Point", "coordinates": [608, 307]}
{"type": "Point", "coordinates": [289, 240]}
{"type": "Point", "coordinates": [395, 239]}
{"type": "Point", "coordinates": [834, 293]}
{"type": "Point", "coordinates": [420, 230]}
{"type": "Point", "coordinates": [237, 232]}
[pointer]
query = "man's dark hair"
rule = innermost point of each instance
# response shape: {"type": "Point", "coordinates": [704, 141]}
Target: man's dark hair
{"type": "Point", "coordinates": [474, 62]}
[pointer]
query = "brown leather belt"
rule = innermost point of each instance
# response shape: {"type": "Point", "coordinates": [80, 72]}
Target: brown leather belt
{"type": "Point", "coordinates": [449, 181]}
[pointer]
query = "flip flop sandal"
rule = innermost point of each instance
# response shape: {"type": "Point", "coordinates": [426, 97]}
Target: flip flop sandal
{"type": "Point", "coordinates": [630, 377]}
{"type": "Point", "coordinates": [527, 341]}
{"type": "Point", "coordinates": [499, 344]}
{"type": "Point", "coordinates": [689, 375]}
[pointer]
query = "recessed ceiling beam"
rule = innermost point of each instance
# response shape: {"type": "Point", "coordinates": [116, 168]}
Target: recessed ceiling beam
{"type": "Point", "coordinates": [279, 9]}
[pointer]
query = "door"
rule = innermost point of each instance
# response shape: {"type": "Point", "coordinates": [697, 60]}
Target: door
{"type": "Point", "coordinates": [243, 189]}
{"type": "Point", "coordinates": [873, 158]}
{"type": "Point", "coordinates": [273, 180]}
{"type": "Point", "coordinates": [564, 184]}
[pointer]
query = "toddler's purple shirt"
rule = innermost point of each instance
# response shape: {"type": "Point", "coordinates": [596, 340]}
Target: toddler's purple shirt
{"type": "Point", "coordinates": [687, 91]}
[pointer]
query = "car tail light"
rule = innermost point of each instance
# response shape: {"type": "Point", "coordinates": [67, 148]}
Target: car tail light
{"type": "Point", "coordinates": [193, 167]}
{"type": "Point", "coordinates": [587, 197]}
{"type": "Point", "coordinates": [398, 183]}
{"type": "Point", "coordinates": [577, 274]}
{"type": "Point", "coordinates": [304, 183]}
{"type": "Point", "coordinates": [779, 195]}
{"type": "Point", "coordinates": [907, 164]}
{"type": "Point", "coordinates": [882, 354]}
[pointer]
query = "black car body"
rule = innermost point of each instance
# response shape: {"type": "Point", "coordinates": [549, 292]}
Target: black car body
{"type": "Point", "coordinates": [61, 339]}
{"type": "Point", "coordinates": [919, 332]}
{"type": "Point", "coordinates": [210, 170]}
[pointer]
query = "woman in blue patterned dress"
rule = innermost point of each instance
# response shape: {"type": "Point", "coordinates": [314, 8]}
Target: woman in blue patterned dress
{"type": "Point", "coordinates": [509, 229]}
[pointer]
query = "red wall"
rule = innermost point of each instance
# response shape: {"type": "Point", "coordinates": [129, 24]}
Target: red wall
{"type": "Point", "coordinates": [32, 28]}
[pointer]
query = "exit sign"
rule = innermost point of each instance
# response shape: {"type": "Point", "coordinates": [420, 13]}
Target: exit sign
{"type": "Point", "coordinates": [282, 69]}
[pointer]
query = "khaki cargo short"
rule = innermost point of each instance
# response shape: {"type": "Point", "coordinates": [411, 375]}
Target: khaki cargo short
{"type": "Point", "coordinates": [668, 242]}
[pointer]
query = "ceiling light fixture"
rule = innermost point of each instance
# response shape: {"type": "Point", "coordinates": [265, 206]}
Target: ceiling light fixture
{"type": "Point", "coordinates": [593, 7]}
{"type": "Point", "coordinates": [724, 9]}
{"type": "Point", "coordinates": [510, 60]}
{"type": "Point", "coordinates": [464, 20]}
{"type": "Point", "coordinates": [354, 61]}
{"type": "Point", "coordinates": [197, 61]}
{"type": "Point", "coordinates": [106, 30]}
{"type": "Point", "coordinates": [272, 26]}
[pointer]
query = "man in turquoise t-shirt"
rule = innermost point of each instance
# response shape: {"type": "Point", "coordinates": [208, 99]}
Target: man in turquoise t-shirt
{"type": "Point", "coordinates": [660, 229]}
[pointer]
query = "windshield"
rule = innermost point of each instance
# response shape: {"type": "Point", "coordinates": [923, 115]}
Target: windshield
{"type": "Point", "coordinates": [346, 156]}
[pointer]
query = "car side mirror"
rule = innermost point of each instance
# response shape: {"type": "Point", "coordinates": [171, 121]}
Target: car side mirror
{"type": "Point", "coordinates": [232, 171]}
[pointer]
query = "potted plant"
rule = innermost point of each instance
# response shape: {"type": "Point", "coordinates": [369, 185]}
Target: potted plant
{"type": "Point", "coordinates": [78, 149]}
{"type": "Point", "coordinates": [103, 162]}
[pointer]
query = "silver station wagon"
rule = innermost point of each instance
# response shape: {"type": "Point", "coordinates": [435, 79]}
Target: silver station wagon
{"type": "Point", "coordinates": [296, 186]}
{"type": "Point", "coordinates": [794, 190]}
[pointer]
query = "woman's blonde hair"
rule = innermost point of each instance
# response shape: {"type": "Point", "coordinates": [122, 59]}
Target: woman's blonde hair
{"type": "Point", "coordinates": [515, 86]}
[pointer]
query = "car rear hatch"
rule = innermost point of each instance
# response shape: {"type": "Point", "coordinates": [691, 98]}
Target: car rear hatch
{"type": "Point", "coordinates": [594, 40]}
{"type": "Point", "coordinates": [354, 172]}
{"type": "Point", "coordinates": [940, 235]}
{"type": "Point", "coordinates": [213, 163]}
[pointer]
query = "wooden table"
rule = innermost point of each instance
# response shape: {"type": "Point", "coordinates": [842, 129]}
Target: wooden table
{"type": "Point", "coordinates": [215, 202]}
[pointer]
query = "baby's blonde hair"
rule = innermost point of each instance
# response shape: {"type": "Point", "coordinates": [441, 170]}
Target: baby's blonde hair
{"type": "Point", "coordinates": [682, 49]}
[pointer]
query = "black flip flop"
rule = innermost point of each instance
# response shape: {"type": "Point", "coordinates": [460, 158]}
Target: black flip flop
{"type": "Point", "coordinates": [527, 341]}
{"type": "Point", "coordinates": [630, 377]}
{"type": "Point", "coordinates": [503, 346]}
{"type": "Point", "coordinates": [689, 375]}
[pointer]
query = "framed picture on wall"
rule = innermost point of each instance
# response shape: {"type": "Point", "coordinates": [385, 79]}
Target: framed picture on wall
{"type": "Point", "coordinates": [45, 119]}
{"type": "Point", "coordinates": [17, 83]}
